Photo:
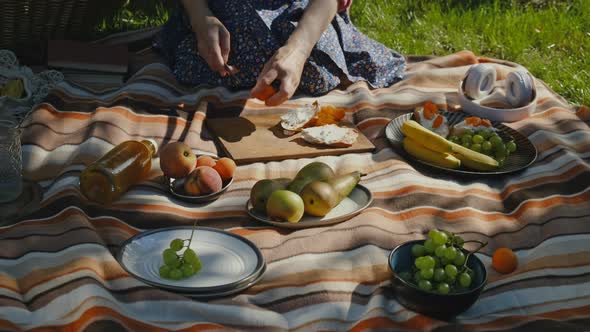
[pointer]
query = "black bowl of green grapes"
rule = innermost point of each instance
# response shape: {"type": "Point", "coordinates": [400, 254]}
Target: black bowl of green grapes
{"type": "Point", "coordinates": [437, 276]}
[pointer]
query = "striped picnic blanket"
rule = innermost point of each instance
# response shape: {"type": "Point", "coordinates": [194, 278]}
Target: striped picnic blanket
{"type": "Point", "coordinates": [58, 269]}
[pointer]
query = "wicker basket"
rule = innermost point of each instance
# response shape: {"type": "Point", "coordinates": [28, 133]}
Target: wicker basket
{"type": "Point", "coordinates": [26, 23]}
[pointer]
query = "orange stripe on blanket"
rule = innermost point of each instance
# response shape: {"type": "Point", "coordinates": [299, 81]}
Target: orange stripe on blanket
{"type": "Point", "coordinates": [499, 196]}
{"type": "Point", "coordinates": [246, 231]}
{"type": "Point", "coordinates": [107, 271]}
{"type": "Point", "coordinates": [546, 114]}
{"type": "Point", "coordinates": [461, 214]}
{"type": "Point", "coordinates": [98, 222]}
{"type": "Point", "coordinates": [511, 321]}
{"type": "Point", "coordinates": [367, 275]}
{"type": "Point", "coordinates": [179, 212]}
{"type": "Point", "coordinates": [96, 313]}
{"type": "Point", "coordinates": [8, 325]}
{"type": "Point", "coordinates": [406, 215]}
{"type": "Point", "coordinates": [445, 192]}
{"type": "Point", "coordinates": [123, 111]}
{"type": "Point", "coordinates": [415, 323]}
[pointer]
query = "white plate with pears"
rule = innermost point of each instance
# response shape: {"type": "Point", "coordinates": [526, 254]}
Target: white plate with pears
{"type": "Point", "coordinates": [316, 197]}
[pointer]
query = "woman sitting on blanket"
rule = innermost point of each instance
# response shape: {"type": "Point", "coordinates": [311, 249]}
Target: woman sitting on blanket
{"type": "Point", "coordinates": [308, 46]}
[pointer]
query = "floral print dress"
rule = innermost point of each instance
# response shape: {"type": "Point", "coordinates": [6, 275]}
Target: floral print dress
{"type": "Point", "coordinates": [260, 27]}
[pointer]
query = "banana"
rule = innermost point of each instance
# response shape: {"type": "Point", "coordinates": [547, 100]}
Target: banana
{"type": "Point", "coordinates": [419, 151]}
{"type": "Point", "coordinates": [474, 160]}
{"type": "Point", "coordinates": [426, 137]}
{"type": "Point", "coordinates": [428, 146]}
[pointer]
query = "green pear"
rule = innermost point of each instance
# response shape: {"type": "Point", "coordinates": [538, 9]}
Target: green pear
{"type": "Point", "coordinates": [285, 205]}
{"type": "Point", "coordinates": [262, 190]}
{"type": "Point", "coordinates": [318, 198]}
{"type": "Point", "coordinates": [344, 184]}
{"type": "Point", "coordinates": [310, 172]}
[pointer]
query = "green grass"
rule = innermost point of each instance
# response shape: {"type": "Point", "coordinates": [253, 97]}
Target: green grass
{"type": "Point", "coordinates": [549, 37]}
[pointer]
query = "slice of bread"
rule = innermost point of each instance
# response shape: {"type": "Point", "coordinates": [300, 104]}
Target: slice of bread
{"type": "Point", "coordinates": [299, 118]}
{"type": "Point", "coordinates": [331, 135]}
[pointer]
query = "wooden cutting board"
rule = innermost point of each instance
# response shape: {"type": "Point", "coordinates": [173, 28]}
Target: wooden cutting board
{"type": "Point", "coordinates": [248, 139]}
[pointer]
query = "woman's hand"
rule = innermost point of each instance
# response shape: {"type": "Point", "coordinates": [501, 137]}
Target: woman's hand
{"type": "Point", "coordinates": [213, 44]}
{"type": "Point", "coordinates": [286, 66]}
{"type": "Point", "coordinates": [213, 39]}
{"type": "Point", "coordinates": [287, 63]}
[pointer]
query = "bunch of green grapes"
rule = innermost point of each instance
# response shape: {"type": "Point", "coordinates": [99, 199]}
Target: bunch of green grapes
{"type": "Point", "coordinates": [440, 264]}
{"type": "Point", "coordinates": [177, 266]}
{"type": "Point", "coordinates": [488, 142]}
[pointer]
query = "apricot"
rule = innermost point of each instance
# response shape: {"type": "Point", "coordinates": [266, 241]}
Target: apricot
{"type": "Point", "coordinates": [225, 167]}
{"type": "Point", "coordinates": [202, 181]}
{"type": "Point", "coordinates": [504, 260]}
{"type": "Point", "coordinates": [267, 92]}
{"type": "Point", "coordinates": [205, 161]}
{"type": "Point", "coordinates": [177, 160]}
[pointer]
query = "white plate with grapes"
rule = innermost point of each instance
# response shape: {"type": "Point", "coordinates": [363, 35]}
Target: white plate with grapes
{"type": "Point", "coordinates": [202, 263]}
{"type": "Point", "coordinates": [513, 151]}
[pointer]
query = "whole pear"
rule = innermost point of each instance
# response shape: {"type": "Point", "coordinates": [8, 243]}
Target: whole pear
{"type": "Point", "coordinates": [262, 190]}
{"type": "Point", "coordinates": [285, 205]}
{"type": "Point", "coordinates": [318, 198]}
{"type": "Point", "coordinates": [310, 172]}
{"type": "Point", "coordinates": [344, 184]}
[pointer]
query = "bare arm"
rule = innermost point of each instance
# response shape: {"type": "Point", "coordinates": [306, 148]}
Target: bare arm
{"type": "Point", "coordinates": [315, 21]}
{"type": "Point", "coordinates": [287, 63]}
{"type": "Point", "coordinates": [213, 39]}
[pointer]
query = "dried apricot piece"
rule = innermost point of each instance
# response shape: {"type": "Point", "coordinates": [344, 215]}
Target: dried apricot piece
{"type": "Point", "coordinates": [431, 107]}
{"type": "Point", "coordinates": [486, 123]}
{"type": "Point", "coordinates": [504, 260]}
{"type": "Point", "coordinates": [329, 115]}
{"type": "Point", "coordinates": [428, 113]}
{"type": "Point", "coordinates": [437, 122]}
{"type": "Point", "coordinates": [473, 120]}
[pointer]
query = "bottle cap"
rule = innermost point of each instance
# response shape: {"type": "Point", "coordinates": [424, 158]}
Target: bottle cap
{"type": "Point", "coordinates": [154, 143]}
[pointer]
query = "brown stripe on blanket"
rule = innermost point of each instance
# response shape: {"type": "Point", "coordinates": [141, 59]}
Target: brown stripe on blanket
{"type": "Point", "coordinates": [510, 203]}
{"type": "Point", "coordinates": [14, 249]}
{"type": "Point", "coordinates": [296, 302]}
{"type": "Point", "coordinates": [128, 295]}
{"type": "Point", "coordinates": [106, 271]}
{"type": "Point", "coordinates": [540, 281]}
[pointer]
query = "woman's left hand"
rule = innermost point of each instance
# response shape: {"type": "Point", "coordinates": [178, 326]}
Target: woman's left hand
{"type": "Point", "coordinates": [286, 66]}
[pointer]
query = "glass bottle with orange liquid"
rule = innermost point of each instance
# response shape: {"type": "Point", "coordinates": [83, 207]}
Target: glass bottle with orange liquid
{"type": "Point", "coordinates": [108, 178]}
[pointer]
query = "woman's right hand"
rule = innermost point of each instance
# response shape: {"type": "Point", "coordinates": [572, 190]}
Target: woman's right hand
{"type": "Point", "coordinates": [213, 44]}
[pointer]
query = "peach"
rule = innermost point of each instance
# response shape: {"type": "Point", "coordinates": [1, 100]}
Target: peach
{"type": "Point", "coordinates": [202, 181]}
{"type": "Point", "coordinates": [225, 167]}
{"type": "Point", "coordinates": [177, 160]}
{"type": "Point", "coordinates": [205, 161]}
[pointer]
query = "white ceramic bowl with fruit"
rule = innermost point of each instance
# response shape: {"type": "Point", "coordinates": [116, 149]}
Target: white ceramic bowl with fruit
{"type": "Point", "coordinates": [195, 179]}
